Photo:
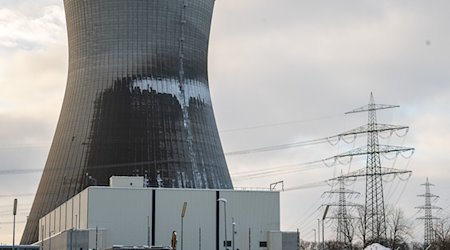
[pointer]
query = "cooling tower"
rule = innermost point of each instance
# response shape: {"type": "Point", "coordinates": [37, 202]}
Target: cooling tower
{"type": "Point", "coordinates": [137, 102]}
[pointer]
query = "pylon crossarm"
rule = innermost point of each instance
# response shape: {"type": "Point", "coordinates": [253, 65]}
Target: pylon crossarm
{"type": "Point", "coordinates": [347, 218]}
{"type": "Point", "coordinates": [426, 218]}
{"type": "Point", "coordinates": [429, 207]}
{"type": "Point", "coordinates": [354, 152]}
{"type": "Point", "coordinates": [428, 195]}
{"type": "Point", "coordinates": [354, 174]}
{"type": "Point", "coordinates": [363, 173]}
{"type": "Point", "coordinates": [389, 171]}
{"type": "Point", "coordinates": [341, 191]}
{"type": "Point", "coordinates": [347, 204]}
{"type": "Point", "coordinates": [372, 107]}
{"type": "Point", "coordinates": [382, 149]}
{"type": "Point", "coordinates": [378, 128]}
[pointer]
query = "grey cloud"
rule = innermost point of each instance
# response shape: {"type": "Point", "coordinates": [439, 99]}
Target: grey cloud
{"type": "Point", "coordinates": [300, 60]}
{"type": "Point", "coordinates": [383, 50]}
{"type": "Point", "coordinates": [24, 130]}
{"type": "Point", "coordinates": [28, 32]}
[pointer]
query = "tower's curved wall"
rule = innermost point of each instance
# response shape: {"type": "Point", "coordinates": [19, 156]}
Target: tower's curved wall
{"type": "Point", "coordinates": [137, 101]}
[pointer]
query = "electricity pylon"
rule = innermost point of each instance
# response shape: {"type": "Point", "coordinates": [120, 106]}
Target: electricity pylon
{"type": "Point", "coordinates": [375, 221]}
{"type": "Point", "coordinates": [428, 218]}
{"type": "Point", "coordinates": [344, 227]}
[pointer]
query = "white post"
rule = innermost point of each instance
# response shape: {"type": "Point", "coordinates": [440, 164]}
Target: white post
{"type": "Point", "coordinates": [14, 224]}
{"type": "Point", "coordinates": [318, 233]}
{"type": "Point", "coordinates": [323, 235]}
{"type": "Point", "coordinates": [225, 222]}
{"type": "Point", "coordinates": [234, 232]}
{"type": "Point", "coordinates": [183, 213]}
{"type": "Point", "coordinates": [148, 231]}
{"type": "Point", "coordinates": [199, 238]}
{"type": "Point", "coordinates": [96, 237]}
{"type": "Point", "coordinates": [315, 240]}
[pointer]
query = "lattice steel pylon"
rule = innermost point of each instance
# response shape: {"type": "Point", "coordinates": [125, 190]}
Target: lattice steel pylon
{"type": "Point", "coordinates": [344, 227]}
{"type": "Point", "coordinates": [375, 221]}
{"type": "Point", "coordinates": [428, 218]}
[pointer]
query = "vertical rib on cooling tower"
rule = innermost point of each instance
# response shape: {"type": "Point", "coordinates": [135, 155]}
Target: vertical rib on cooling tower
{"type": "Point", "coordinates": [137, 101]}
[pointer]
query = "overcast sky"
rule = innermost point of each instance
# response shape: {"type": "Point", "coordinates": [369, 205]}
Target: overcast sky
{"type": "Point", "coordinates": [281, 71]}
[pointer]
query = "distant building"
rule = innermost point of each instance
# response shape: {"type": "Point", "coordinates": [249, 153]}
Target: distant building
{"type": "Point", "coordinates": [137, 102]}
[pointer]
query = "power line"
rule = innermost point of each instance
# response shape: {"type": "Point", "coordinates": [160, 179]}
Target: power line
{"type": "Point", "coordinates": [16, 195]}
{"type": "Point", "coordinates": [20, 171]}
{"type": "Point", "coordinates": [22, 205]}
{"type": "Point", "coordinates": [10, 222]}
{"type": "Point", "coordinates": [19, 211]}
{"type": "Point", "coordinates": [306, 215]}
{"type": "Point", "coordinates": [278, 170]}
{"type": "Point", "coordinates": [23, 146]}
{"type": "Point", "coordinates": [278, 124]}
{"type": "Point", "coordinates": [333, 140]}
{"type": "Point", "coordinates": [278, 147]}
{"type": "Point", "coordinates": [307, 186]}
{"type": "Point", "coordinates": [284, 169]}
{"type": "Point", "coordinates": [105, 166]}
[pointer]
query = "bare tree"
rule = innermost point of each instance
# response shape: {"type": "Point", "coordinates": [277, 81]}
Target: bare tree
{"type": "Point", "coordinates": [442, 231]}
{"type": "Point", "coordinates": [308, 245]}
{"type": "Point", "coordinates": [416, 245]}
{"type": "Point", "coordinates": [361, 225]}
{"type": "Point", "coordinates": [349, 231]}
{"type": "Point", "coordinates": [345, 228]}
{"type": "Point", "coordinates": [335, 245]}
{"type": "Point", "coordinates": [398, 229]}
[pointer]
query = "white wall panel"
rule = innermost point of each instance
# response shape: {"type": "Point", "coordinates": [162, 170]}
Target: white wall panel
{"type": "Point", "coordinates": [47, 226]}
{"type": "Point", "coordinates": [57, 220]}
{"type": "Point", "coordinates": [41, 226]}
{"type": "Point", "coordinates": [200, 213]}
{"type": "Point", "coordinates": [63, 217]}
{"type": "Point", "coordinates": [76, 211]}
{"type": "Point", "coordinates": [52, 222]}
{"type": "Point", "coordinates": [275, 240]}
{"type": "Point", "coordinates": [69, 214]}
{"type": "Point", "coordinates": [83, 212]}
{"type": "Point", "coordinates": [254, 212]}
{"type": "Point", "coordinates": [123, 212]}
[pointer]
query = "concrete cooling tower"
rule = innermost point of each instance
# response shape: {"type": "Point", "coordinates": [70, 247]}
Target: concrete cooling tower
{"type": "Point", "coordinates": [137, 102]}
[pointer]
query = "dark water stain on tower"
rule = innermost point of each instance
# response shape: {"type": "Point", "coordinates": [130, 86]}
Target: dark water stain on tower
{"type": "Point", "coordinates": [137, 101]}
